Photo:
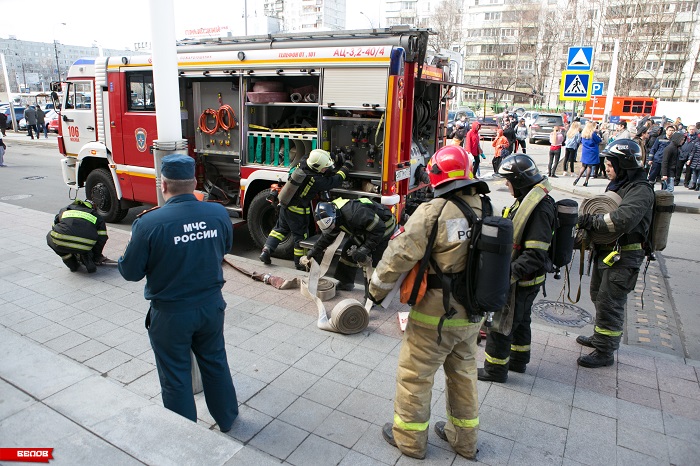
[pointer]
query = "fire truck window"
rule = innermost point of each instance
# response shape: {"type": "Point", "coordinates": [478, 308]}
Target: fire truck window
{"type": "Point", "coordinates": [83, 95]}
{"type": "Point", "coordinates": [70, 97]}
{"type": "Point", "coordinates": [141, 95]}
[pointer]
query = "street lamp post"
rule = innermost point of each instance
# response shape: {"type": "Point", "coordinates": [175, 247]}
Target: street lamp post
{"type": "Point", "coordinates": [55, 50]}
{"type": "Point", "coordinates": [58, 68]}
{"type": "Point", "coordinates": [371, 24]}
{"type": "Point", "coordinates": [24, 74]}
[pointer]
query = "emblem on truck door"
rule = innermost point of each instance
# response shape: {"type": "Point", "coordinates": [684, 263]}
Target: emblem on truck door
{"type": "Point", "coordinates": [140, 135]}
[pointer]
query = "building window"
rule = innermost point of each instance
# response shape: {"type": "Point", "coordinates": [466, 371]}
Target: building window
{"type": "Point", "coordinates": [604, 67]}
{"type": "Point", "coordinates": [608, 47]}
{"type": "Point", "coordinates": [651, 65]}
{"type": "Point", "coordinates": [492, 16]}
{"type": "Point", "coordinates": [680, 27]}
{"type": "Point", "coordinates": [672, 66]}
{"type": "Point", "coordinates": [669, 84]}
{"type": "Point", "coordinates": [507, 32]}
{"type": "Point", "coordinates": [686, 6]}
{"type": "Point", "coordinates": [676, 47]}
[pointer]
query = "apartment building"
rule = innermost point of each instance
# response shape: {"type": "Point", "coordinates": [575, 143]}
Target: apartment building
{"type": "Point", "coordinates": [522, 45]}
{"type": "Point", "coordinates": [31, 66]}
{"type": "Point", "coordinates": [307, 15]}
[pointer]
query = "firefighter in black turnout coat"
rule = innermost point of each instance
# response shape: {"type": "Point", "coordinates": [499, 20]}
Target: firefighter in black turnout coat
{"type": "Point", "coordinates": [617, 264]}
{"type": "Point", "coordinates": [370, 225]}
{"type": "Point", "coordinates": [534, 218]}
{"type": "Point", "coordinates": [310, 177]}
{"type": "Point", "coordinates": [78, 235]}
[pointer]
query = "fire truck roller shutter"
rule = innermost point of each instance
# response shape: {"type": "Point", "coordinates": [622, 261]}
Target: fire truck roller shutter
{"type": "Point", "coordinates": [355, 87]}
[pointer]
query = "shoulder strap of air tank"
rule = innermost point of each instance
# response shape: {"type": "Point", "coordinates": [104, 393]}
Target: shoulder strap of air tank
{"type": "Point", "coordinates": [425, 261]}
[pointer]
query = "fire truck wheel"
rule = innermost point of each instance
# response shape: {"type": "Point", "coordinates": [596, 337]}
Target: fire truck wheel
{"type": "Point", "coordinates": [262, 218]}
{"type": "Point", "coordinates": [99, 188]}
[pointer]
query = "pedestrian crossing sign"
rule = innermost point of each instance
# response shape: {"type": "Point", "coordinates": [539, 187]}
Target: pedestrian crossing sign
{"type": "Point", "coordinates": [575, 85]}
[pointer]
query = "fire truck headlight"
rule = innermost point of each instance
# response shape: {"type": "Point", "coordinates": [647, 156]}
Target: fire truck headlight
{"type": "Point", "coordinates": [241, 56]}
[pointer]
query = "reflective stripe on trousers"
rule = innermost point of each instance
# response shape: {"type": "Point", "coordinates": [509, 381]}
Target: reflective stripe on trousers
{"type": "Point", "coordinates": [419, 359]}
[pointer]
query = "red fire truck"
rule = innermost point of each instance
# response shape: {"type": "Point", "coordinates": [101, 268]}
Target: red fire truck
{"type": "Point", "coordinates": [251, 108]}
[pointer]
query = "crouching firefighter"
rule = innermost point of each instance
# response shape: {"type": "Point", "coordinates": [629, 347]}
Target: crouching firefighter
{"type": "Point", "coordinates": [309, 178]}
{"type": "Point", "coordinates": [534, 220]}
{"type": "Point", "coordinates": [79, 235]}
{"type": "Point", "coordinates": [433, 339]}
{"type": "Point", "coordinates": [369, 225]}
{"type": "Point", "coordinates": [617, 264]}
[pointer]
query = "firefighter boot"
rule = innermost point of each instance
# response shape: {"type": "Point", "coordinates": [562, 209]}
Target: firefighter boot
{"type": "Point", "coordinates": [87, 261]}
{"type": "Point", "coordinates": [388, 435]}
{"type": "Point", "coordinates": [440, 430]}
{"type": "Point", "coordinates": [584, 341]}
{"type": "Point", "coordinates": [515, 366]}
{"type": "Point", "coordinates": [71, 262]}
{"type": "Point", "coordinates": [297, 263]}
{"type": "Point", "coordinates": [484, 375]}
{"type": "Point", "coordinates": [265, 256]}
{"type": "Point", "coordinates": [596, 359]}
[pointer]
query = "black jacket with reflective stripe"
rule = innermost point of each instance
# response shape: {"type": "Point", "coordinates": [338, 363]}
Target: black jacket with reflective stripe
{"type": "Point", "coordinates": [82, 227]}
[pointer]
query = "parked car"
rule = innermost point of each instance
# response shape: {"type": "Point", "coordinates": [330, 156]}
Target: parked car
{"type": "Point", "coordinates": [53, 125]}
{"type": "Point", "coordinates": [19, 114]}
{"type": "Point", "coordinates": [489, 126]}
{"type": "Point", "coordinates": [454, 115]}
{"type": "Point", "coordinates": [543, 126]}
{"type": "Point", "coordinates": [530, 118]}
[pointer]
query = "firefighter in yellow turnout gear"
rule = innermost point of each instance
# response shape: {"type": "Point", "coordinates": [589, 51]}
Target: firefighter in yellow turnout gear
{"type": "Point", "coordinates": [421, 355]}
{"type": "Point", "coordinates": [534, 219]}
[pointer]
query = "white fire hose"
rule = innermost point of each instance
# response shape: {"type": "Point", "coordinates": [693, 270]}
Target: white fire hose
{"type": "Point", "coordinates": [349, 315]}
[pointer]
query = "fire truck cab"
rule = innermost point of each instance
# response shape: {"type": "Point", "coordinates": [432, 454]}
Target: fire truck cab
{"type": "Point", "coordinates": [250, 109]}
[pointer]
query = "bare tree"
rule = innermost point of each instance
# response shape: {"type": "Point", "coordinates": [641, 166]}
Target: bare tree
{"type": "Point", "coordinates": [549, 47]}
{"type": "Point", "coordinates": [638, 27]}
{"type": "Point", "coordinates": [447, 22]}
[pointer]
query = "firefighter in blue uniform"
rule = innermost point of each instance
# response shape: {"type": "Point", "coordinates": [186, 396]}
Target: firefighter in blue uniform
{"type": "Point", "coordinates": [179, 248]}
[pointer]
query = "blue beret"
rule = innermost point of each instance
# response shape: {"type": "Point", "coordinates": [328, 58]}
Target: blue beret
{"type": "Point", "coordinates": [177, 167]}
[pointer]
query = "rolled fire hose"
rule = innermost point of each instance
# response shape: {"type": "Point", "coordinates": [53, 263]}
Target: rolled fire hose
{"type": "Point", "coordinates": [601, 204]}
{"type": "Point", "coordinates": [311, 98]}
{"type": "Point", "coordinates": [348, 316]}
{"type": "Point", "coordinates": [295, 97]}
{"type": "Point", "coordinates": [325, 290]}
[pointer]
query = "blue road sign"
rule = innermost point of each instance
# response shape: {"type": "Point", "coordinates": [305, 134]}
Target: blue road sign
{"type": "Point", "coordinates": [597, 89]}
{"type": "Point", "coordinates": [580, 59]}
{"type": "Point", "coordinates": [575, 85]}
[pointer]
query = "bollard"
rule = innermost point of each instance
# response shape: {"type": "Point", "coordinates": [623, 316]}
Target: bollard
{"type": "Point", "coordinates": [196, 375]}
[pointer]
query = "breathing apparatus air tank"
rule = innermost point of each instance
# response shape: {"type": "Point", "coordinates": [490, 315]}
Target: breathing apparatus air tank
{"type": "Point", "coordinates": [564, 235]}
{"type": "Point", "coordinates": [495, 245]}
{"type": "Point", "coordinates": [290, 188]}
{"type": "Point", "coordinates": [661, 222]}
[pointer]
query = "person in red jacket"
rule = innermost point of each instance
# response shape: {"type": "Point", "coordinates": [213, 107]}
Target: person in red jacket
{"type": "Point", "coordinates": [473, 146]}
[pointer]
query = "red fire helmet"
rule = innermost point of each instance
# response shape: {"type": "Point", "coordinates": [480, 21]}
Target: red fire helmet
{"type": "Point", "coordinates": [449, 163]}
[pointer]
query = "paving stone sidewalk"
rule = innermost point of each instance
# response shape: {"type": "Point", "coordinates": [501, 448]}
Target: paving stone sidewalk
{"type": "Point", "coordinates": [77, 374]}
